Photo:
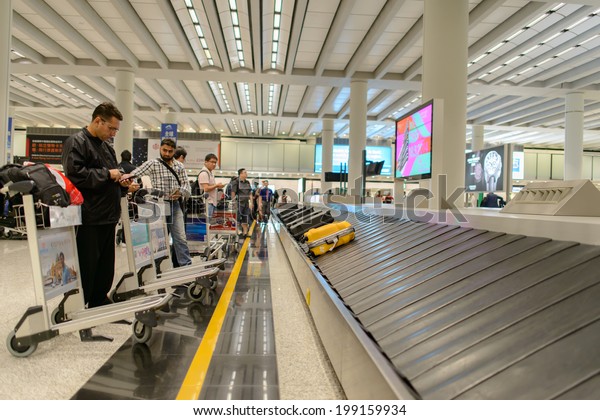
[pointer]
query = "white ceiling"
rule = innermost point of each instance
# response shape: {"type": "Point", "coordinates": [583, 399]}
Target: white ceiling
{"type": "Point", "coordinates": [524, 57]}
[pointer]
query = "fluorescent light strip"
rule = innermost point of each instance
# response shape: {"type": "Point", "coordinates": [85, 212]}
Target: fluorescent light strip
{"type": "Point", "coordinates": [237, 32]}
{"type": "Point", "coordinates": [199, 32]}
{"type": "Point", "coordinates": [276, 32]}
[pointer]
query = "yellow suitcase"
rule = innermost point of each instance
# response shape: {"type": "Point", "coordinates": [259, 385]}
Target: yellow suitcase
{"type": "Point", "coordinates": [325, 238]}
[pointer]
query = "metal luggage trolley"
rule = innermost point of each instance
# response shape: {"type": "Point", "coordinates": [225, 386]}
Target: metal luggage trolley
{"type": "Point", "coordinates": [52, 247]}
{"type": "Point", "coordinates": [146, 238]}
{"type": "Point", "coordinates": [224, 225]}
{"type": "Point", "coordinates": [201, 237]}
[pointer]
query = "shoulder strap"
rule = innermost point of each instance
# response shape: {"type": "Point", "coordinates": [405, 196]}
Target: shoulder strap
{"type": "Point", "coordinates": [170, 169]}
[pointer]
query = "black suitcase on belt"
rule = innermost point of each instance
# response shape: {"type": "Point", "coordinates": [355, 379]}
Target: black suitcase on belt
{"type": "Point", "coordinates": [286, 209]}
{"type": "Point", "coordinates": [281, 213]}
{"type": "Point", "coordinates": [314, 220]}
{"type": "Point", "coordinates": [296, 215]}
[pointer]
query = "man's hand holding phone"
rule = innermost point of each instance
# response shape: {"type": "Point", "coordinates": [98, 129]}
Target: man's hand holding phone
{"type": "Point", "coordinates": [125, 180]}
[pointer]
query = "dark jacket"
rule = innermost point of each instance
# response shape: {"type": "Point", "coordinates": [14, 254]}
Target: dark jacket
{"type": "Point", "coordinates": [127, 167]}
{"type": "Point", "coordinates": [86, 161]}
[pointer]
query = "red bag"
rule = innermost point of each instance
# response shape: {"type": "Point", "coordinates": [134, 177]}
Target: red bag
{"type": "Point", "coordinates": [74, 194]}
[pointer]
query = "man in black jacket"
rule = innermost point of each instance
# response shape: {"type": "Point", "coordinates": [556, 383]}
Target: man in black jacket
{"type": "Point", "coordinates": [91, 164]}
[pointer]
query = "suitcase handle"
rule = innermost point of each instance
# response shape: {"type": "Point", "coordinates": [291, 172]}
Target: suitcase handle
{"type": "Point", "coordinates": [334, 242]}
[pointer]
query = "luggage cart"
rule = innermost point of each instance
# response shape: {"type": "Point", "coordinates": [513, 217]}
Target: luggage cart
{"type": "Point", "coordinates": [201, 239]}
{"type": "Point", "coordinates": [147, 245]}
{"type": "Point", "coordinates": [224, 225]}
{"type": "Point", "coordinates": [55, 268]}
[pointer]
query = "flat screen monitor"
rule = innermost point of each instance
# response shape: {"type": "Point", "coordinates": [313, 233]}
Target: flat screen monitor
{"type": "Point", "coordinates": [518, 168]}
{"type": "Point", "coordinates": [485, 170]}
{"type": "Point", "coordinates": [414, 134]}
{"type": "Point", "coordinates": [341, 154]}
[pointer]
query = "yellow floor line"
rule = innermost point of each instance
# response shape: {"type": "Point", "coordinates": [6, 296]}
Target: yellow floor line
{"type": "Point", "coordinates": [194, 379]}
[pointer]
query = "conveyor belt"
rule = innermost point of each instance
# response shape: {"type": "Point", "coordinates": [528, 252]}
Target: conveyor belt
{"type": "Point", "coordinates": [467, 313]}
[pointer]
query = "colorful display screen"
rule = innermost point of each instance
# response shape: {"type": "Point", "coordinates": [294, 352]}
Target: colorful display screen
{"type": "Point", "coordinates": [413, 143]}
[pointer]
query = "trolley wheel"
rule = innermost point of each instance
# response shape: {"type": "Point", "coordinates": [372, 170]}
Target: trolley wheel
{"type": "Point", "coordinates": [141, 332]}
{"type": "Point", "coordinates": [209, 298]}
{"type": "Point", "coordinates": [196, 292]}
{"type": "Point", "coordinates": [18, 350]}
{"type": "Point", "coordinates": [213, 283]}
{"type": "Point", "coordinates": [206, 253]}
{"type": "Point", "coordinates": [57, 316]}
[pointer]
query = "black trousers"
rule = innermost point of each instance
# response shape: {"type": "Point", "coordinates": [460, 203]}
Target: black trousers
{"type": "Point", "coordinates": [96, 249]}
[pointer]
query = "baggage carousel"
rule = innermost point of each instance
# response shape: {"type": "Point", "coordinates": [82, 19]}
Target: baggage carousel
{"type": "Point", "coordinates": [415, 310]}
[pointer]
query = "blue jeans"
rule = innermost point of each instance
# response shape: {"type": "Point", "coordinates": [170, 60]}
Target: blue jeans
{"type": "Point", "coordinates": [211, 209]}
{"type": "Point", "coordinates": [176, 227]}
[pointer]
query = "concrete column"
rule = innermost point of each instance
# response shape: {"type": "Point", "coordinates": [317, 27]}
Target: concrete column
{"type": "Point", "coordinates": [445, 44]}
{"type": "Point", "coordinates": [574, 136]}
{"type": "Point", "coordinates": [5, 45]}
{"type": "Point", "coordinates": [124, 101]}
{"type": "Point", "coordinates": [477, 142]}
{"type": "Point", "coordinates": [326, 153]}
{"type": "Point", "coordinates": [358, 135]}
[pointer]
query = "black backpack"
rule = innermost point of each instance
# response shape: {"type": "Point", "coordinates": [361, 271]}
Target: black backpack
{"type": "Point", "coordinates": [47, 189]}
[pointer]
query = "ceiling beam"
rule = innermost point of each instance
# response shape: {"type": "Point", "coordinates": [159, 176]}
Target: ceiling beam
{"type": "Point", "coordinates": [328, 102]}
{"type": "Point", "coordinates": [542, 110]}
{"type": "Point", "coordinates": [518, 20]}
{"type": "Point", "coordinates": [85, 87]}
{"type": "Point", "coordinates": [217, 34]}
{"type": "Point", "coordinates": [255, 21]}
{"type": "Point", "coordinates": [516, 105]}
{"type": "Point", "coordinates": [24, 25]}
{"type": "Point", "coordinates": [535, 40]}
{"type": "Point", "coordinates": [333, 36]}
{"type": "Point", "coordinates": [27, 51]}
{"type": "Point", "coordinates": [409, 96]}
{"type": "Point", "coordinates": [177, 30]}
{"type": "Point", "coordinates": [42, 92]}
{"type": "Point", "coordinates": [166, 97]}
{"type": "Point", "coordinates": [130, 16]}
{"type": "Point", "coordinates": [300, 8]}
{"type": "Point", "coordinates": [382, 21]}
{"type": "Point", "coordinates": [308, 93]}
{"type": "Point", "coordinates": [93, 19]}
{"type": "Point", "coordinates": [408, 40]}
{"type": "Point", "coordinates": [43, 10]}
{"type": "Point", "coordinates": [18, 98]}
{"type": "Point", "coordinates": [187, 94]}
{"type": "Point", "coordinates": [282, 99]}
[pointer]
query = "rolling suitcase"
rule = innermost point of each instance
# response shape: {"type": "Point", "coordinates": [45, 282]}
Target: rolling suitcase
{"type": "Point", "coordinates": [328, 237]}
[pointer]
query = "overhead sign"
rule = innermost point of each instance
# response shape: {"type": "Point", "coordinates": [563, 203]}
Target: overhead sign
{"type": "Point", "coordinates": [168, 131]}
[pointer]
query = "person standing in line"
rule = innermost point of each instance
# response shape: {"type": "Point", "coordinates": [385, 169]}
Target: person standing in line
{"type": "Point", "coordinates": [180, 154]}
{"type": "Point", "coordinates": [168, 175]}
{"type": "Point", "coordinates": [91, 165]}
{"type": "Point", "coordinates": [207, 182]}
{"type": "Point", "coordinates": [284, 199]}
{"type": "Point", "coordinates": [125, 165]}
{"type": "Point", "coordinates": [264, 201]}
{"type": "Point", "coordinates": [255, 191]}
{"type": "Point", "coordinates": [242, 189]}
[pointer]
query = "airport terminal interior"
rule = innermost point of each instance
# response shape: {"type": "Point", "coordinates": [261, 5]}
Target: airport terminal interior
{"type": "Point", "coordinates": [439, 238]}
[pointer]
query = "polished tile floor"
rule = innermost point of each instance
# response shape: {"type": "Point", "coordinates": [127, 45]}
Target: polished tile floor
{"type": "Point", "coordinates": [267, 347]}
